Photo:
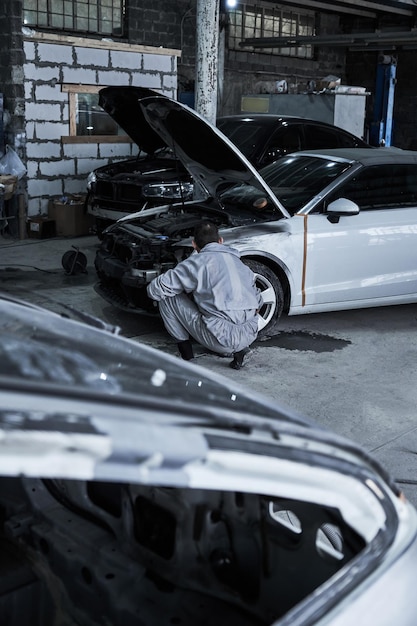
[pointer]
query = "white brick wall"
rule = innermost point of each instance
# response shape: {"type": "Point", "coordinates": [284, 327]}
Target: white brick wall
{"type": "Point", "coordinates": [113, 77]}
{"type": "Point", "coordinates": [58, 53]}
{"type": "Point", "coordinates": [89, 56]}
{"type": "Point", "coordinates": [55, 168]}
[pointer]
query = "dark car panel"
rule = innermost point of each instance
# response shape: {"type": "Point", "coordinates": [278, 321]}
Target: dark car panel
{"type": "Point", "coordinates": [264, 138]}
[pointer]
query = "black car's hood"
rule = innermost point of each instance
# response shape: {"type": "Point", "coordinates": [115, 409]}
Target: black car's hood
{"type": "Point", "coordinates": [209, 156]}
{"type": "Point", "coordinates": [122, 104]}
{"type": "Point", "coordinates": [154, 122]}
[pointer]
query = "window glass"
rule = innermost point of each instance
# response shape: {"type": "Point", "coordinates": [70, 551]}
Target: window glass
{"type": "Point", "coordinates": [245, 135]}
{"type": "Point", "coordinates": [103, 17]}
{"type": "Point", "coordinates": [317, 137]}
{"type": "Point", "coordinates": [295, 180]}
{"type": "Point", "coordinates": [91, 119]}
{"type": "Point", "coordinates": [287, 139]}
{"type": "Point", "coordinates": [381, 187]}
{"type": "Point", "coordinates": [264, 20]}
{"type": "Point", "coordinates": [88, 122]}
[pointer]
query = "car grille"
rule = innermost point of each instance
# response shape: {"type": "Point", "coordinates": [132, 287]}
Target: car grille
{"type": "Point", "coordinates": [103, 189]}
{"type": "Point", "coordinates": [130, 193]}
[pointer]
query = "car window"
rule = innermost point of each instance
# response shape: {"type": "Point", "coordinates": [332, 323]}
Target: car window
{"type": "Point", "coordinates": [284, 141]}
{"type": "Point", "coordinates": [381, 187]}
{"type": "Point", "coordinates": [317, 137]}
{"type": "Point", "coordinates": [244, 135]}
{"type": "Point", "coordinates": [295, 180]}
{"type": "Point", "coordinates": [347, 141]}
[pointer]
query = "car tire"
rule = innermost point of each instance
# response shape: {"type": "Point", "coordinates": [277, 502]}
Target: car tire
{"type": "Point", "coordinates": [273, 294]}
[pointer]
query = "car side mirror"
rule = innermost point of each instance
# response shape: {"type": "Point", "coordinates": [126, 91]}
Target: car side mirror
{"type": "Point", "coordinates": [342, 207]}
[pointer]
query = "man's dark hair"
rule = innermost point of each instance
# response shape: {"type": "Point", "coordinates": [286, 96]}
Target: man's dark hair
{"type": "Point", "coordinates": [206, 232]}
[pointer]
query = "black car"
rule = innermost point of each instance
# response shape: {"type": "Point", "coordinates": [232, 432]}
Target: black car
{"type": "Point", "coordinates": [156, 176]}
{"type": "Point", "coordinates": [264, 138]}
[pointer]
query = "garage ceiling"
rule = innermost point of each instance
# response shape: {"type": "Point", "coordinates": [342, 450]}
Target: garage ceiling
{"type": "Point", "coordinates": [379, 40]}
{"type": "Point", "coordinates": [360, 41]}
{"type": "Point", "coordinates": [359, 7]}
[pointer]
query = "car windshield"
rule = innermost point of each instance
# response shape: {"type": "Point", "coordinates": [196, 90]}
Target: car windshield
{"type": "Point", "coordinates": [295, 180]}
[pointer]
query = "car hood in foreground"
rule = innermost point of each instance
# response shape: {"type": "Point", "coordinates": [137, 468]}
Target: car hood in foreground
{"type": "Point", "coordinates": [82, 403]}
{"type": "Point", "coordinates": [58, 375]}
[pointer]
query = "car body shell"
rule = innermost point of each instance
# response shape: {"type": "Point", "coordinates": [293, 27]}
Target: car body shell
{"type": "Point", "coordinates": [204, 469]}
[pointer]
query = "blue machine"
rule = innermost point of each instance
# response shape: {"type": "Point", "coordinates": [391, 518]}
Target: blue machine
{"type": "Point", "coordinates": [381, 126]}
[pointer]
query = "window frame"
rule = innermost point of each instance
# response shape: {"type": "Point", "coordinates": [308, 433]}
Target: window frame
{"type": "Point", "coordinates": [48, 13]}
{"type": "Point", "coordinates": [269, 21]}
{"type": "Point", "coordinates": [73, 90]}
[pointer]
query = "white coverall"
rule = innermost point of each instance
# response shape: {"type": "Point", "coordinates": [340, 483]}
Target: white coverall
{"type": "Point", "coordinates": [222, 313]}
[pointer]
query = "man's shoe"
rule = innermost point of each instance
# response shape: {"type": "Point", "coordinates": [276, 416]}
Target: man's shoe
{"type": "Point", "coordinates": [186, 349]}
{"type": "Point", "coordinates": [239, 359]}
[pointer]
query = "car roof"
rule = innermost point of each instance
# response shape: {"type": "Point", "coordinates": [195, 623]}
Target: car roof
{"type": "Point", "coordinates": [265, 118]}
{"type": "Point", "coordinates": [366, 156]}
{"type": "Point", "coordinates": [269, 119]}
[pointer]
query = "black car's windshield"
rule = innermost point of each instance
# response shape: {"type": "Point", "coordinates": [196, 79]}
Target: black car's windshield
{"type": "Point", "coordinates": [295, 180]}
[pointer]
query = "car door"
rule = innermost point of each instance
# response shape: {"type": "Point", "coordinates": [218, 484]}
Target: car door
{"type": "Point", "coordinates": [369, 258]}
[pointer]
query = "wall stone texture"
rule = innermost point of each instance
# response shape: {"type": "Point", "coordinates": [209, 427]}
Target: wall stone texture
{"type": "Point", "coordinates": [59, 168]}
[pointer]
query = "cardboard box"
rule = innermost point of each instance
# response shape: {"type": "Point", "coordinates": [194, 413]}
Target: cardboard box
{"type": "Point", "coordinates": [329, 82]}
{"type": "Point", "coordinates": [10, 183]}
{"type": "Point", "coordinates": [70, 217]}
{"type": "Point", "coordinates": [40, 227]}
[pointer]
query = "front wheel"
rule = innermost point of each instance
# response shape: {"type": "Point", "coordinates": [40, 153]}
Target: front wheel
{"type": "Point", "coordinates": [272, 295]}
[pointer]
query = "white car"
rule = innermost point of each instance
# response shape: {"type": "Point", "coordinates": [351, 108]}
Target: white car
{"type": "Point", "coordinates": [137, 488]}
{"type": "Point", "coordinates": [323, 230]}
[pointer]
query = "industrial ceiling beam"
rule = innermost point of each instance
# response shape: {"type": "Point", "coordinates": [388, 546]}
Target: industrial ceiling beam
{"type": "Point", "coordinates": [362, 8]}
{"type": "Point", "coordinates": [378, 40]}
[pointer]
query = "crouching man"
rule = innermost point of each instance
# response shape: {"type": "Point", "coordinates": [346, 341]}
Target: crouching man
{"type": "Point", "coordinates": [210, 297]}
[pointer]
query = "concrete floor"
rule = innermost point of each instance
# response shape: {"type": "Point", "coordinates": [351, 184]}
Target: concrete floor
{"type": "Point", "coordinates": [354, 372]}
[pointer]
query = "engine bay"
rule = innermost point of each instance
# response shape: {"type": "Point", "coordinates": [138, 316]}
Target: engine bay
{"type": "Point", "coordinates": [78, 553]}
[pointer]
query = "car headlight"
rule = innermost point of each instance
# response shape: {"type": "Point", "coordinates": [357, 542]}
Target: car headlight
{"type": "Point", "coordinates": [91, 179]}
{"type": "Point", "coordinates": [173, 191]}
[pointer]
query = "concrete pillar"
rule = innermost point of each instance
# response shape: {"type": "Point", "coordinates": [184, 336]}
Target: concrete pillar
{"type": "Point", "coordinates": [207, 43]}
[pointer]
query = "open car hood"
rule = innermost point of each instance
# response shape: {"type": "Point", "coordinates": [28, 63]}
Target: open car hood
{"type": "Point", "coordinates": [122, 104]}
{"type": "Point", "coordinates": [209, 156]}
